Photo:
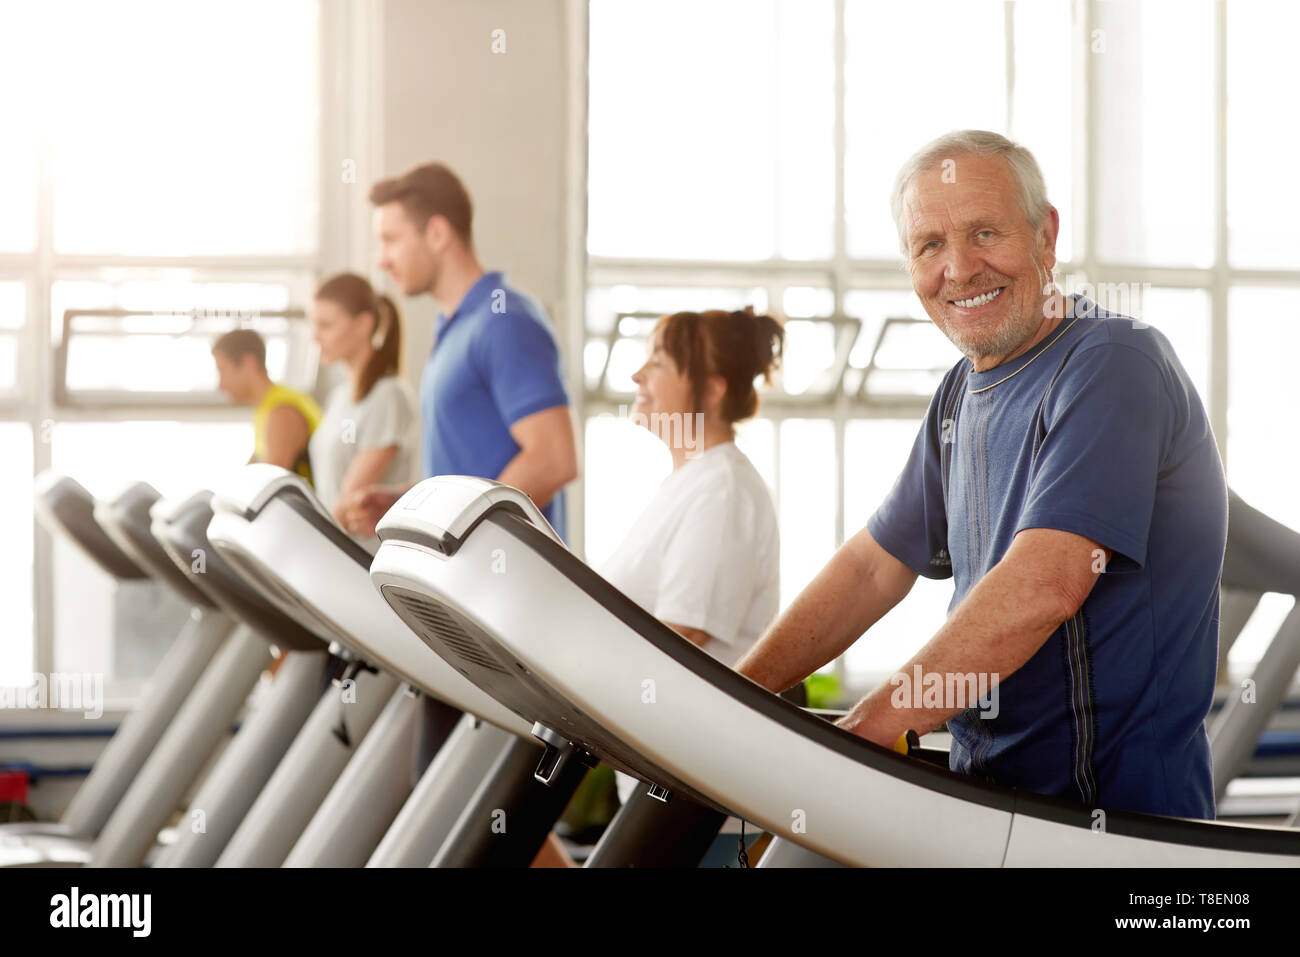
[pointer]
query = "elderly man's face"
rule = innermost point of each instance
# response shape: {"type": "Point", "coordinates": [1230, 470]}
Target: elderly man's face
{"type": "Point", "coordinates": [977, 265]}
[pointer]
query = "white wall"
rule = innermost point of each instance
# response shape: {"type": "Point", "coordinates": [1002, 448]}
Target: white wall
{"type": "Point", "coordinates": [436, 91]}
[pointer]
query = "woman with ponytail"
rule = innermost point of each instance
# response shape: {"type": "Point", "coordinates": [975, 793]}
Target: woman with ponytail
{"type": "Point", "coordinates": [370, 429]}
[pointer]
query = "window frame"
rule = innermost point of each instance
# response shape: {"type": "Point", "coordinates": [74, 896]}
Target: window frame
{"type": "Point", "coordinates": [345, 35]}
{"type": "Point", "coordinates": [841, 273]}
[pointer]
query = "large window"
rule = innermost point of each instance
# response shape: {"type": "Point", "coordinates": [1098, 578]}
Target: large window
{"type": "Point", "coordinates": [749, 158]}
{"type": "Point", "coordinates": [159, 184]}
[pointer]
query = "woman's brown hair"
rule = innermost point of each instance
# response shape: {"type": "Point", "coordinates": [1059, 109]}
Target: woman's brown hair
{"type": "Point", "coordinates": [739, 346]}
{"type": "Point", "coordinates": [354, 295]}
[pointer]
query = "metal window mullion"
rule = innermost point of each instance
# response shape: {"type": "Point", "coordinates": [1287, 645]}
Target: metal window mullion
{"type": "Point", "coordinates": [1090, 95]}
{"type": "Point", "coordinates": [840, 266]}
{"type": "Point", "coordinates": [842, 274]}
{"type": "Point", "coordinates": [1176, 276]}
{"type": "Point", "coordinates": [62, 262]}
{"type": "Point", "coordinates": [840, 424]}
{"type": "Point", "coordinates": [1009, 61]}
{"type": "Point", "coordinates": [334, 224]}
{"type": "Point", "coordinates": [576, 277]}
{"type": "Point", "coordinates": [370, 20]}
{"type": "Point", "coordinates": [887, 274]}
{"type": "Point", "coordinates": [1197, 277]}
{"type": "Point", "coordinates": [890, 278]}
{"type": "Point", "coordinates": [777, 420]}
{"type": "Point", "coordinates": [1262, 277]}
{"type": "Point", "coordinates": [1219, 346]}
{"type": "Point", "coordinates": [205, 414]}
{"type": "Point", "coordinates": [41, 397]}
{"type": "Point", "coordinates": [606, 272]}
{"type": "Point", "coordinates": [773, 75]}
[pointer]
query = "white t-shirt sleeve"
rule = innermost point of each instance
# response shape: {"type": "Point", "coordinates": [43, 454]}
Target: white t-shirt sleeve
{"type": "Point", "coordinates": [387, 420]}
{"type": "Point", "coordinates": [707, 574]}
{"type": "Point", "coordinates": [326, 450]}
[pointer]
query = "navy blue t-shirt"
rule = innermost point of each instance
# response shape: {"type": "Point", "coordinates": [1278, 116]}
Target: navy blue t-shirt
{"type": "Point", "coordinates": [494, 362]}
{"type": "Point", "coordinates": [1104, 435]}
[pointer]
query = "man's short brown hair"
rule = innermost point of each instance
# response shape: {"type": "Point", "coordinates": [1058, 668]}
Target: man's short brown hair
{"type": "Point", "coordinates": [425, 191]}
{"type": "Point", "coordinates": [238, 343]}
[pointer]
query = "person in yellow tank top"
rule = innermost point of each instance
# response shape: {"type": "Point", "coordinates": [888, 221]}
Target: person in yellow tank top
{"type": "Point", "coordinates": [283, 418]}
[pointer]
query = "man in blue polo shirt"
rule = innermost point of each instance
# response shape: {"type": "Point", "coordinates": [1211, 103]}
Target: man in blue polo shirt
{"type": "Point", "coordinates": [1067, 479]}
{"type": "Point", "coordinates": [492, 397]}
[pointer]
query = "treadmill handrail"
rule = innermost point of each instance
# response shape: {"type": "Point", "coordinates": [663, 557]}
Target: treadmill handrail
{"type": "Point", "coordinates": [247, 490]}
{"type": "Point", "coordinates": [1253, 838]}
{"type": "Point", "coordinates": [63, 503]}
{"type": "Point", "coordinates": [120, 522]}
{"type": "Point", "coordinates": [183, 532]}
{"type": "Point", "coordinates": [441, 511]}
{"type": "Point", "coordinates": [166, 509]}
{"type": "Point", "coordinates": [253, 487]}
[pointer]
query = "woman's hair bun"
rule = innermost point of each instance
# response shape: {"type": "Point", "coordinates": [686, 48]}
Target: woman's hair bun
{"type": "Point", "coordinates": [766, 339]}
{"type": "Point", "coordinates": [738, 345]}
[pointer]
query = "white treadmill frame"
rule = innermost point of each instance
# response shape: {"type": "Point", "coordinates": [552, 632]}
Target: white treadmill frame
{"type": "Point", "coordinates": [761, 757]}
{"type": "Point", "coordinates": [262, 536]}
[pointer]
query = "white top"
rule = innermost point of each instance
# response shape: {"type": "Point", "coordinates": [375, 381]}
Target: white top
{"type": "Point", "coordinates": [706, 552]}
{"type": "Point", "coordinates": [386, 416]}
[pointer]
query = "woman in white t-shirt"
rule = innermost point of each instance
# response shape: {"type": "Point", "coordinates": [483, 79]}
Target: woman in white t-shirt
{"type": "Point", "coordinates": [369, 432]}
{"type": "Point", "coordinates": [704, 556]}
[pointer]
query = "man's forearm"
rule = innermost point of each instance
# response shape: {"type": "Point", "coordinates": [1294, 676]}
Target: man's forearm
{"type": "Point", "coordinates": [998, 627]}
{"type": "Point", "coordinates": [842, 602]}
{"type": "Point", "coordinates": [536, 475]}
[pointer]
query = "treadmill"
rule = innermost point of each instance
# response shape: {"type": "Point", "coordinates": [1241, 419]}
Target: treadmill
{"type": "Point", "coordinates": [116, 536]}
{"type": "Point", "coordinates": [264, 734]}
{"type": "Point", "coordinates": [1262, 555]}
{"type": "Point", "coordinates": [553, 639]}
{"type": "Point", "coordinates": [351, 767]}
{"type": "Point", "coordinates": [269, 525]}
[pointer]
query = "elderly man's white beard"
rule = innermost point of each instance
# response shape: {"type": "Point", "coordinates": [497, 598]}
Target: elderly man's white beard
{"type": "Point", "coordinates": [999, 343]}
{"type": "Point", "coordinates": [1004, 341]}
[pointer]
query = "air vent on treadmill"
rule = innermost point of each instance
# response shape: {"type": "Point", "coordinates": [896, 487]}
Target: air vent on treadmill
{"type": "Point", "coordinates": [436, 627]}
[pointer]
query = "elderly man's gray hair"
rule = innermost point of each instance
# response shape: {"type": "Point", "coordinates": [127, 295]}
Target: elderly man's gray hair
{"type": "Point", "coordinates": [1033, 193]}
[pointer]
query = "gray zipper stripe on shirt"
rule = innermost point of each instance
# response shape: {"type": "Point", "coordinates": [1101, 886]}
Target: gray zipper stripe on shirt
{"type": "Point", "coordinates": [981, 542]}
{"type": "Point", "coordinates": [1076, 658]}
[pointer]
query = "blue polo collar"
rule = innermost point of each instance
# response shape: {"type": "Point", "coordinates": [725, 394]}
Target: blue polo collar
{"type": "Point", "coordinates": [474, 297]}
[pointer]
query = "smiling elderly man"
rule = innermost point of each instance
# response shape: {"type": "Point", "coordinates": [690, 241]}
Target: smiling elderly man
{"type": "Point", "coordinates": [1067, 479]}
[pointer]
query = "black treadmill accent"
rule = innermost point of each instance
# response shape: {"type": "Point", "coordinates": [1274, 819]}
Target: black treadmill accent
{"type": "Point", "coordinates": [296, 500]}
{"type": "Point", "coordinates": [67, 503]}
{"type": "Point", "coordinates": [507, 819]}
{"type": "Point", "coordinates": [646, 832]}
{"type": "Point", "coordinates": [1262, 554]}
{"type": "Point", "coordinates": [186, 533]}
{"type": "Point", "coordinates": [437, 722]}
{"type": "Point", "coordinates": [449, 544]}
{"type": "Point", "coordinates": [920, 773]}
{"type": "Point", "coordinates": [130, 512]}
